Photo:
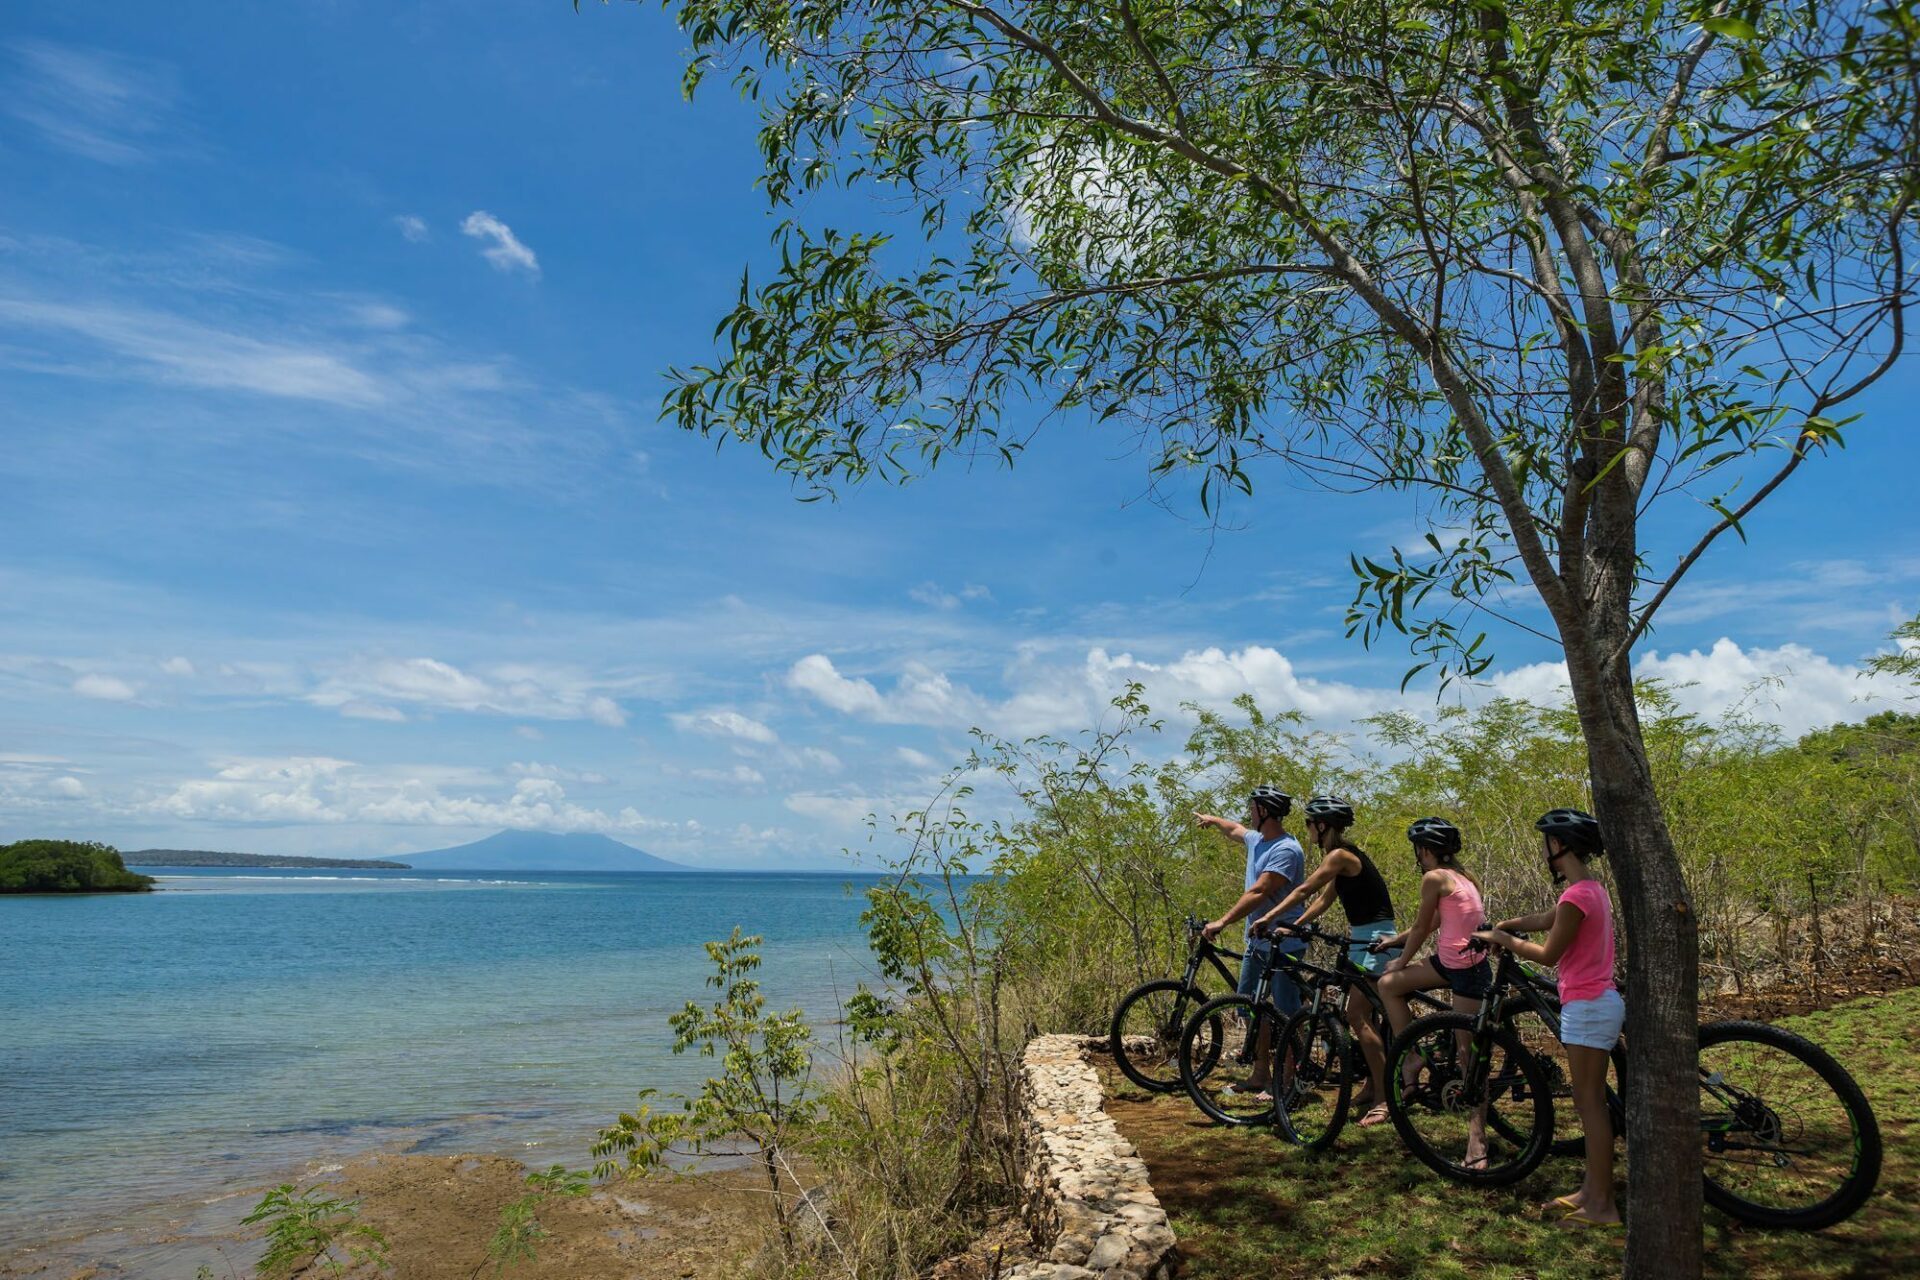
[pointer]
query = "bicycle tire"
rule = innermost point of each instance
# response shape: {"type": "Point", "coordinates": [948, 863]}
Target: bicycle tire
{"type": "Point", "coordinates": [1863, 1171]}
{"type": "Point", "coordinates": [1311, 1109]}
{"type": "Point", "coordinates": [1516, 1075]}
{"type": "Point", "coordinates": [1544, 1040]}
{"type": "Point", "coordinates": [1203, 1048]}
{"type": "Point", "coordinates": [1157, 1069]}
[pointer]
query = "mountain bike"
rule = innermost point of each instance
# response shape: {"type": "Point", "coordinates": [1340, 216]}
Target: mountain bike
{"type": "Point", "coordinates": [1788, 1139]}
{"type": "Point", "coordinates": [1315, 1059]}
{"type": "Point", "coordinates": [1145, 1033]}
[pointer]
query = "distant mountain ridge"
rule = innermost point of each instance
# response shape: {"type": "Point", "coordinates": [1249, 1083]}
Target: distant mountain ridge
{"type": "Point", "coordinates": [216, 858]}
{"type": "Point", "coordinates": [542, 851]}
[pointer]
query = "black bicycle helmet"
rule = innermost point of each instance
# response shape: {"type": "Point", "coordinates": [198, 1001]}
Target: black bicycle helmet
{"type": "Point", "coordinates": [1574, 829]}
{"type": "Point", "coordinates": [1331, 810]}
{"type": "Point", "coordinates": [1436, 834]}
{"type": "Point", "coordinates": [1271, 800]}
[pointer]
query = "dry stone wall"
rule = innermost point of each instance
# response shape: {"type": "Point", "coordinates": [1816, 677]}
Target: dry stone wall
{"type": "Point", "coordinates": [1088, 1183]}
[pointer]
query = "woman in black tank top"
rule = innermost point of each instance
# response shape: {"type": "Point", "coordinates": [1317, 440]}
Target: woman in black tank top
{"type": "Point", "coordinates": [1347, 873]}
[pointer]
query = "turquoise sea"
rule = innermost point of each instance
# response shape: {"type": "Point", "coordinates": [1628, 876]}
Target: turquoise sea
{"type": "Point", "coordinates": [238, 1027]}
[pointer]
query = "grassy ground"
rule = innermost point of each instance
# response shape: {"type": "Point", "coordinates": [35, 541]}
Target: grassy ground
{"type": "Point", "coordinates": [1244, 1206]}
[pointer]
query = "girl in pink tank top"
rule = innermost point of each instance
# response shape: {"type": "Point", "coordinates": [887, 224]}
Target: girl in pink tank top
{"type": "Point", "coordinates": [1579, 930]}
{"type": "Point", "coordinates": [1450, 911]}
{"type": "Point", "coordinates": [1461, 914]}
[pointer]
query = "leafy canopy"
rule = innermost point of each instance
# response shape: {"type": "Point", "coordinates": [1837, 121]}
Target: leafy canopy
{"type": "Point", "coordinates": [1539, 262]}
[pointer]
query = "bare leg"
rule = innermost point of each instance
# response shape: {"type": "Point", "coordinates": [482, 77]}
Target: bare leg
{"type": "Point", "coordinates": [1477, 1122]}
{"type": "Point", "coordinates": [1360, 1023]}
{"type": "Point", "coordinates": [1397, 986]}
{"type": "Point", "coordinates": [1588, 1068]}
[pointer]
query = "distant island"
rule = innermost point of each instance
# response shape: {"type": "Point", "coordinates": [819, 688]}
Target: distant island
{"type": "Point", "coordinates": [67, 866]}
{"type": "Point", "coordinates": [215, 858]}
{"type": "Point", "coordinates": [542, 851]}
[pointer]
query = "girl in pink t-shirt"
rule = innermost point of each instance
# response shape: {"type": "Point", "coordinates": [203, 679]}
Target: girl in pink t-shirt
{"type": "Point", "coordinates": [1580, 940]}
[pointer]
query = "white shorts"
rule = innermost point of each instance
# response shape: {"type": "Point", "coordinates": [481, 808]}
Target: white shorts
{"type": "Point", "coordinates": [1595, 1023]}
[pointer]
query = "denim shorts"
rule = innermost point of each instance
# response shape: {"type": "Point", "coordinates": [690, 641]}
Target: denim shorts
{"type": "Point", "coordinates": [1474, 982]}
{"type": "Point", "coordinates": [1368, 961]}
{"type": "Point", "coordinates": [1595, 1023]}
{"type": "Point", "coordinates": [1286, 996]}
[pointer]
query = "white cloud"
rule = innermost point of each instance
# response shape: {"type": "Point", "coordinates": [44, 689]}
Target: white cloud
{"type": "Point", "coordinates": [177, 350]}
{"type": "Point", "coordinates": [378, 315]}
{"type": "Point", "coordinates": [849, 810]}
{"type": "Point", "coordinates": [105, 688]}
{"type": "Point", "coordinates": [324, 790]}
{"type": "Point", "coordinates": [820, 758]}
{"type": "Point", "coordinates": [177, 667]}
{"type": "Point", "coordinates": [724, 723]}
{"type": "Point", "coordinates": [530, 733]}
{"type": "Point", "coordinates": [918, 759]}
{"type": "Point", "coordinates": [740, 775]}
{"type": "Point", "coordinates": [104, 106]}
{"type": "Point", "coordinates": [369, 686]}
{"type": "Point", "coordinates": [933, 595]}
{"type": "Point", "coordinates": [1055, 697]}
{"type": "Point", "coordinates": [504, 251]}
{"type": "Point", "coordinates": [412, 226]}
{"type": "Point", "coordinates": [815, 674]}
{"type": "Point", "coordinates": [1790, 686]}
{"type": "Point", "coordinates": [68, 788]}
{"type": "Point", "coordinates": [358, 710]}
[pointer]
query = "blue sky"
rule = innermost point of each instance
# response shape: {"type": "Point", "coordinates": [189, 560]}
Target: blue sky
{"type": "Point", "coordinates": [338, 518]}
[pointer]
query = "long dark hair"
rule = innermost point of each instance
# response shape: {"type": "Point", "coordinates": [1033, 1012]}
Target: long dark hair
{"type": "Point", "coordinates": [1341, 838]}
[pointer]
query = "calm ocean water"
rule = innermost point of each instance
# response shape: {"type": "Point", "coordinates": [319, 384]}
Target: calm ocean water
{"type": "Point", "coordinates": [241, 1025]}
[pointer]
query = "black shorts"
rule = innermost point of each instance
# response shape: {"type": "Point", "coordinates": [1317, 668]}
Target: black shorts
{"type": "Point", "coordinates": [1474, 982]}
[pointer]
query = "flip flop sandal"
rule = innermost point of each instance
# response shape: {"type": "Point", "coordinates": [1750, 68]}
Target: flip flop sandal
{"type": "Point", "coordinates": [1579, 1218]}
{"type": "Point", "coordinates": [1568, 1203]}
{"type": "Point", "coordinates": [1376, 1114]}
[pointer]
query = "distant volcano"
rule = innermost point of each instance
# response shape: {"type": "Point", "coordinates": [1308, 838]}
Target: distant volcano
{"type": "Point", "coordinates": [542, 851]}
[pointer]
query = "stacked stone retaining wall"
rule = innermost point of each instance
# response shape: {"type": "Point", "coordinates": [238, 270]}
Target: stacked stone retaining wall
{"type": "Point", "coordinates": [1088, 1185]}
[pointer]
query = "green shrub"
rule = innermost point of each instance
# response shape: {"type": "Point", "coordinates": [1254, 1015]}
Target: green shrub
{"type": "Point", "coordinates": [66, 866]}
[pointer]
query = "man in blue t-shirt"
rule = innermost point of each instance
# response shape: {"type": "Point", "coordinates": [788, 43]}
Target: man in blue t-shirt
{"type": "Point", "coordinates": [1275, 864]}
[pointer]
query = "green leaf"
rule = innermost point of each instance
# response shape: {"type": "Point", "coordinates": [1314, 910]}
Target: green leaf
{"type": "Point", "coordinates": [1730, 28]}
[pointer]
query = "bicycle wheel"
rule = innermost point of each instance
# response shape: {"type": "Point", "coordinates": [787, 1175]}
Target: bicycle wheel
{"type": "Point", "coordinates": [1789, 1139]}
{"type": "Point", "coordinates": [1145, 1035]}
{"type": "Point", "coordinates": [1542, 1039]}
{"type": "Point", "coordinates": [1441, 1089]}
{"type": "Point", "coordinates": [1315, 1079]}
{"type": "Point", "coordinates": [1220, 1059]}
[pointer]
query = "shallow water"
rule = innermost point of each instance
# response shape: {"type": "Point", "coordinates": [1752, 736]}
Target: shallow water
{"type": "Point", "coordinates": [171, 1047]}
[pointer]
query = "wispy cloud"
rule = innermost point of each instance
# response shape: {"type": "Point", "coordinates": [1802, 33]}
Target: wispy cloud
{"type": "Point", "coordinates": [237, 317]}
{"type": "Point", "coordinates": [174, 349]}
{"type": "Point", "coordinates": [935, 596]}
{"type": "Point", "coordinates": [413, 227]}
{"type": "Point", "coordinates": [368, 689]}
{"type": "Point", "coordinates": [503, 249]}
{"type": "Point", "coordinates": [724, 723]}
{"type": "Point", "coordinates": [104, 688]}
{"type": "Point", "coordinates": [325, 790]}
{"type": "Point", "coordinates": [104, 106]}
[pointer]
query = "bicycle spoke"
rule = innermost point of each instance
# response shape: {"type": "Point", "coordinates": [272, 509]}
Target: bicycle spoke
{"type": "Point", "coordinates": [1775, 1134]}
{"type": "Point", "coordinates": [1313, 1083]}
{"type": "Point", "coordinates": [1472, 1110]}
{"type": "Point", "coordinates": [1226, 1073]}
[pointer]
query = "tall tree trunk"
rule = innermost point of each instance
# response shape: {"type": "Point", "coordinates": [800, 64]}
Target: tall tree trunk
{"type": "Point", "coordinates": [1663, 1201]}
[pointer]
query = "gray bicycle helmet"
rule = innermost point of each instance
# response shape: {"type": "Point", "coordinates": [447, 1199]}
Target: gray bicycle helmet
{"type": "Point", "coordinates": [1574, 829]}
{"type": "Point", "coordinates": [1271, 800]}
{"type": "Point", "coordinates": [1330, 810]}
{"type": "Point", "coordinates": [1436, 834]}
